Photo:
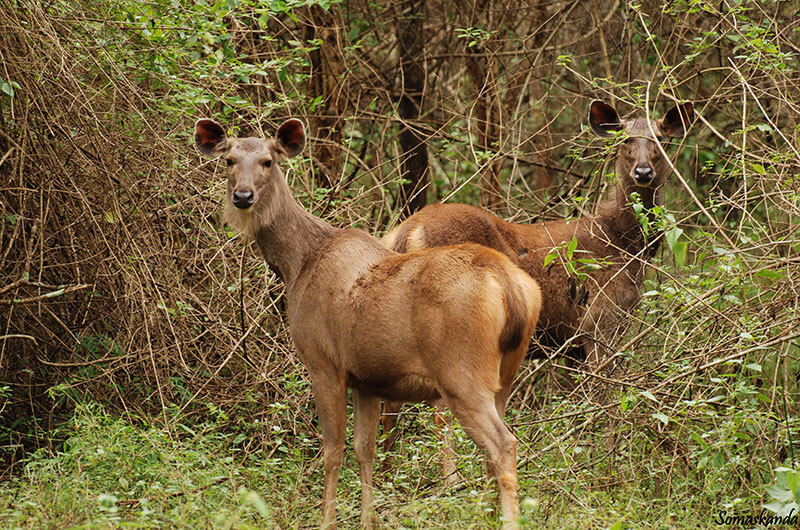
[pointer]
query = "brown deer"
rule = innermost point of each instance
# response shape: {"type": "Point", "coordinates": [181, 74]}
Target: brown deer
{"type": "Point", "coordinates": [582, 321]}
{"type": "Point", "coordinates": [450, 323]}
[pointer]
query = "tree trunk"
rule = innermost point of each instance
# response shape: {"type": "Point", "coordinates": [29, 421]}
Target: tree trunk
{"type": "Point", "coordinates": [327, 82]}
{"type": "Point", "coordinates": [483, 71]}
{"type": "Point", "coordinates": [414, 163]}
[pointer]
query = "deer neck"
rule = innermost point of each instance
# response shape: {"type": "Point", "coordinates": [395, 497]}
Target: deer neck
{"type": "Point", "coordinates": [623, 219]}
{"type": "Point", "coordinates": [289, 236]}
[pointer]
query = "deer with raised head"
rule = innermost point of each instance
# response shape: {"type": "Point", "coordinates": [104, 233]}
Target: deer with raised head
{"type": "Point", "coordinates": [580, 320]}
{"type": "Point", "coordinates": [450, 323]}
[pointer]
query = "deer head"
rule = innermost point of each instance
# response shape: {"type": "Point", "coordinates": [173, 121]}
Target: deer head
{"type": "Point", "coordinates": [256, 186]}
{"type": "Point", "coordinates": [640, 163]}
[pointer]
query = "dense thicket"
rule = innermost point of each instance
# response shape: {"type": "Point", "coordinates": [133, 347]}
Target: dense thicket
{"type": "Point", "coordinates": [118, 280]}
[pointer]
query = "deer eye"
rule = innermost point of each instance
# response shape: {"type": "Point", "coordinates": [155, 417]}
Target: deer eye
{"type": "Point", "coordinates": [229, 161]}
{"type": "Point", "coordinates": [267, 163]}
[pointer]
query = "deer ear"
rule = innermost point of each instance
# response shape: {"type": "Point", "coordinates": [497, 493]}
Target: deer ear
{"type": "Point", "coordinates": [677, 120]}
{"type": "Point", "coordinates": [292, 137]}
{"type": "Point", "coordinates": [210, 138]}
{"type": "Point", "coordinates": [603, 118]}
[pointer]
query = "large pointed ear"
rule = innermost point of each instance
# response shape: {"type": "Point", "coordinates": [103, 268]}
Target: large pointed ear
{"type": "Point", "coordinates": [292, 137]}
{"type": "Point", "coordinates": [603, 118]}
{"type": "Point", "coordinates": [677, 120]}
{"type": "Point", "coordinates": [210, 138]}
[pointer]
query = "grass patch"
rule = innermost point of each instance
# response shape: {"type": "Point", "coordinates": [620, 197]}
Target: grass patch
{"type": "Point", "coordinates": [112, 472]}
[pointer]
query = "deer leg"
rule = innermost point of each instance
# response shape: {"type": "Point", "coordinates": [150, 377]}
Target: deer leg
{"type": "Point", "coordinates": [501, 400]}
{"type": "Point", "coordinates": [389, 422]}
{"type": "Point", "coordinates": [367, 411]}
{"type": "Point", "coordinates": [391, 410]}
{"type": "Point", "coordinates": [509, 365]}
{"type": "Point", "coordinates": [330, 396]}
{"type": "Point", "coordinates": [444, 432]}
{"type": "Point", "coordinates": [478, 415]}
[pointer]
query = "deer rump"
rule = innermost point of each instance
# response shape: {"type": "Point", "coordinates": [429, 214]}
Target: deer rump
{"type": "Point", "coordinates": [401, 320]}
{"type": "Point", "coordinates": [564, 299]}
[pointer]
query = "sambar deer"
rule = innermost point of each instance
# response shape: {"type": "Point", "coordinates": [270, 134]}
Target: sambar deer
{"type": "Point", "coordinates": [580, 320]}
{"type": "Point", "coordinates": [450, 323]}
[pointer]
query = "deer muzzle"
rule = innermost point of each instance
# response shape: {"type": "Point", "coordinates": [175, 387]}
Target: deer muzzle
{"type": "Point", "coordinates": [243, 199]}
{"type": "Point", "coordinates": [643, 173]}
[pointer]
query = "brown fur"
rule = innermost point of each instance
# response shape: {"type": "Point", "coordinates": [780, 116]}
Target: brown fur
{"type": "Point", "coordinates": [614, 235]}
{"type": "Point", "coordinates": [577, 320]}
{"type": "Point", "coordinates": [441, 323]}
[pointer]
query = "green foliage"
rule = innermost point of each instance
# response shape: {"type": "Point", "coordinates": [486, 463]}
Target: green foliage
{"type": "Point", "coordinates": [7, 87]}
{"type": "Point", "coordinates": [566, 254]}
{"type": "Point", "coordinates": [113, 472]}
{"type": "Point", "coordinates": [785, 493]}
{"type": "Point", "coordinates": [97, 100]}
{"type": "Point", "coordinates": [474, 35]}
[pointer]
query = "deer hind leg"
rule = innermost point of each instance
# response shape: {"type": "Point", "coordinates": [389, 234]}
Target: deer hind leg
{"type": "Point", "coordinates": [444, 433]}
{"type": "Point", "coordinates": [330, 396]}
{"type": "Point", "coordinates": [477, 412]}
{"type": "Point", "coordinates": [389, 418]}
{"type": "Point", "coordinates": [509, 366]}
{"type": "Point", "coordinates": [367, 411]}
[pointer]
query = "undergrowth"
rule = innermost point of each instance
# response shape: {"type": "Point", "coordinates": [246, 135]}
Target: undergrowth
{"type": "Point", "coordinates": [147, 377]}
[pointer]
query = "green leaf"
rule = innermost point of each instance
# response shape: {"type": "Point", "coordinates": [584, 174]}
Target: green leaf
{"type": "Point", "coordinates": [591, 264]}
{"type": "Point", "coordinates": [775, 507]}
{"type": "Point", "coordinates": [626, 402]}
{"type": "Point", "coordinates": [772, 275]}
{"type": "Point", "coordinates": [699, 439]}
{"type": "Point", "coordinates": [649, 396]}
{"type": "Point", "coordinates": [663, 418]}
{"type": "Point", "coordinates": [758, 168]}
{"type": "Point", "coordinates": [573, 244]}
{"type": "Point", "coordinates": [671, 236]}
{"type": "Point", "coordinates": [793, 480]}
{"type": "Point", "coordinates": [679, 251]}
{"type": "Point", "coordinates": [549, 258]}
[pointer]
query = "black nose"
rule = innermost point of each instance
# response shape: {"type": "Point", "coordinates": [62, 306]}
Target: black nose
{"type": "Point", "coordinates": [643, 173]}
{"type": "Point", "coordinates": [243, 199]}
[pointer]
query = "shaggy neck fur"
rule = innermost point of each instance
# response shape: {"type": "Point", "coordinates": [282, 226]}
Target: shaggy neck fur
{"type": "Point", "coordinates": [285, 233]}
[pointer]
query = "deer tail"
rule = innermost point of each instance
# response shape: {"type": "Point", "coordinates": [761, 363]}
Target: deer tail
{"type": "Point", "coordinates": [397, 238]}
{"type": "Point", "coordinates": [523, 300]}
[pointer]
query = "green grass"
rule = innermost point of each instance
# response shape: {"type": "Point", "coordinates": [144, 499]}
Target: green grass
{"type": "Point", "coordinates": [112, 472]}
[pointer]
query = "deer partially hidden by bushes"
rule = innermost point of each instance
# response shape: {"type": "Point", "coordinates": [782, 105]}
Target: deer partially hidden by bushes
{"type": "Point", "coordinates": [582, 320]}
{"type": "Point", "coordinates": [450, 323]}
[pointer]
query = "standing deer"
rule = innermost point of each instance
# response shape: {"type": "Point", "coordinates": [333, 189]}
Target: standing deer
{"type": "Point", "coordinates": [582, 321]}
{"type": "Point", "coordinates": [450, 323]}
